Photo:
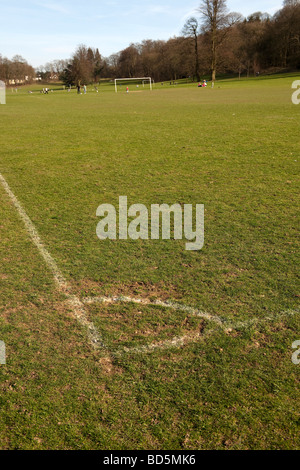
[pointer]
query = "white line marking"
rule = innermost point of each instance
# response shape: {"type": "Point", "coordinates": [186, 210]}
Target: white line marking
{"type": "Point", "coordinates": [159, 303]}
{"type": "Point", "coordinates": [259, 321]}
{"type": "Point", "coordinates": [74, 302]}
{"type": "Point", "coordinates": [176, 342]}
{"type": "Point", "coordinates": [80, 314]}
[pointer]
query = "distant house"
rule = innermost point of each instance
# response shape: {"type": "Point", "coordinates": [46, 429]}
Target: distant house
{"type": "Point", "coordinates": [20, 81]}
{"type": "Point", "coordinates": [16, 81]}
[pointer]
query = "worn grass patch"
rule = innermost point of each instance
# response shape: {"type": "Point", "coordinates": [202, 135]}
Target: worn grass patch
{"type": "Point", "coordinates": [129, 325]}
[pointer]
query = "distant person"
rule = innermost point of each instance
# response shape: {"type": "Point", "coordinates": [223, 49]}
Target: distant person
{"type": "Point", "coordinates": [127, 90]}
{"type": "Point", "coordinates": [78, 89]}
{"type": "Point", "coordinates": [84, 89]}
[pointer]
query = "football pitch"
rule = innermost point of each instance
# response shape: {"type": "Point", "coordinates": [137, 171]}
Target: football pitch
{"type": "Point", "coordinates": [141, 344]}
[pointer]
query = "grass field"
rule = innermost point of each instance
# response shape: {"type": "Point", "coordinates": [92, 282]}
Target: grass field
{"type": "Point", "coordinates": [218, 375]}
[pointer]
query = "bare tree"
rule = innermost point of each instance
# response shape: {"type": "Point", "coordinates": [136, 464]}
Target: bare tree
{"type": "Point", "coordinates": [216, 21]}
{"type": "Point", "coordinates": [286, 33]}
{"type": "Point", "coordinates": [129, 62]}
{"type": "Point", "coordinates": [191, 30]}
{"type": "Point", "coordinates": [291, 3]}
{"type": "Point", "coordinates": [81, 69]}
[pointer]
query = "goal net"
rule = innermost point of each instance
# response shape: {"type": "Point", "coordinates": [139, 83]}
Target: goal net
{"type": "Point", "coordinates": [133, 83]}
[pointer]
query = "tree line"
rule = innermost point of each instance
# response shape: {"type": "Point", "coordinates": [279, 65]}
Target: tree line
{"type": "Point", "coordinates": [214, 41]}
{"type": "Point", "coordinates": [16, 70]}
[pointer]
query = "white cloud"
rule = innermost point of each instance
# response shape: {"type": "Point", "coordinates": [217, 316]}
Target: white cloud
{"type": "Point", "coordinates": [54, 7]}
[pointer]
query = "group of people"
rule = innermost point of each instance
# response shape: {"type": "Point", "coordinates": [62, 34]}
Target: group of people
{"type": "Point", "coordinates": [203, 84]}
{"type": "Point", "coordinates": [79, 89]}
{"type": "Point", "coordinates": [45, 91]}
{"type": "Point", "coordinates": [84, 89]}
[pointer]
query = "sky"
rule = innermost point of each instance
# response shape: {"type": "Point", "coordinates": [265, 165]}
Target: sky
{"type": "Point", "coordinates": [45, 30]}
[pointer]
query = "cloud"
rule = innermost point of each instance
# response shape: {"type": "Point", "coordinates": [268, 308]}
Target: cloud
{"type": "Point", "coordinates": [273, 10]}
{"type": "Point", "coordinates": [190, 13]}
{"type": "Point", "coordinates": [158, 9]}
{"type": "Point", "coordinates": [54, 7]}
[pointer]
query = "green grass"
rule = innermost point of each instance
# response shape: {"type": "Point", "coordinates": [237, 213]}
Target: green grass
{"type": "Point", "coordinates": [234, 148]}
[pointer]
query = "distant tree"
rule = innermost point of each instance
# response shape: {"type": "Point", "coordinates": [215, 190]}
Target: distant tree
{"type": "Point", "coordinates": [150, 58]}
{"type": "Point", "coordinates": [99, 65]}
{"type": "Point", "coordinates": [2, 68]}
{"type": "Point", "coordinates": [84, 67]}
{"type": "Point", "coordinates": [258, 16]}
{"type": "Point", "coordinates": [252, 32]}
{"type": "Point", "coordinates": [224, 42]}
{"type": "Point", "coordinates": [216, 21]}
{"type": "Point", "coordinates": [191, 30]}
{"type": "Point", "coordinates": [287, 22]}
{"type": "Point", "coordinates": [291, 3]}
{"type": "Point", "coordinates": [58, 66]}
{"type": "Point", "coordinates": [16, 69]}
{"type": "Point", "coordinates": [113, 65]}
{"type": "Point", "coordinates": [280, 45]}
{"type": "Point", "coordinates": [129, 63]}
{"type": "Point", "coordinates": [172, 59]}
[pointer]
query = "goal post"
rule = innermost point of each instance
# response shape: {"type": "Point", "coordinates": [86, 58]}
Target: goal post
{"type": "Point", "coordinates": [142, 81]}
{"type": "Point", "coordinates": [2, 93]}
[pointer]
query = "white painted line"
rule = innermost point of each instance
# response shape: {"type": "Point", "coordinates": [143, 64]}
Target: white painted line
{"type": "Point", "coordinates": [259, 321]}
{"type": "Point", "coordinates": [177, 342]}
{"type": "Point", "coordinates": [159, 303]}
{"type": "Point", "coordinates": [80, 314]}
{"type": "Point", "coordinates": [74, 302]}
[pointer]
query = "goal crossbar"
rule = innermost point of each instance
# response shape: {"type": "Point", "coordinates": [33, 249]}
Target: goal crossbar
{"type": "Point", "coordinates": [137, 78]}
